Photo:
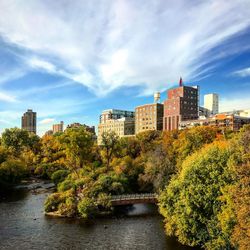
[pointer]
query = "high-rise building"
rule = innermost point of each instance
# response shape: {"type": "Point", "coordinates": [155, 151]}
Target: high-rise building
{"type": "Point", "coordinates": [182, 104]}
{"type": "Point", "coordinates": [149, 116]}
{"type": "Point", "coordinates": [58, 127]}
{"type": "Point", "coordinates": [211, 102]}
{"type": "Point", "coordinates": [29, 121]}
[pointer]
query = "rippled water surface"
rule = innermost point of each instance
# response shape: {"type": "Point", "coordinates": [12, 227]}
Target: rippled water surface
{"type": "Point", "coordinates": [24, 226]}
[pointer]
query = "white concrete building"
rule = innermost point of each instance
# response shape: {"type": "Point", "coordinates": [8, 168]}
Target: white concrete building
{"type": "Point", "coordinates": [211, 102]}
{"type": "Point", "coordinates": [123, 127]}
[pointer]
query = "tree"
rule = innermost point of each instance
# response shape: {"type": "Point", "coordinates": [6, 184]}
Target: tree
{"type": "Point", "coordinates": [77, 144]}
{"type": "Point", "coordinates": [11, 172]}
{"type": "Point", "coordinates": [130, 146]}
{"type": "Point", "coordinates": [191, 204]}
{"type": "Point", "coordinates": [158, 169]}
{"type": "Point", "coordinates": [51, 150]}
{"type": "Point", "coordinates": [241, 205]}
{"type": "Point", "coordinates": [109, 145]}
{"type": "Point", "coordinates": [149, 139]}
{"type": "Point", "coordinates": [17, 140]}
{"type": "Point", "coordinates": [238, 196]}
{"type": "Point", "coordinates": [193, 139]}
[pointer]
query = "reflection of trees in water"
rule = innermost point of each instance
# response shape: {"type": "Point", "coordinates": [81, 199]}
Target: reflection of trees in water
{"type": "Point", "coordinates": [136, 210]}
{"type": "Point", "coordinates": [14, 194]}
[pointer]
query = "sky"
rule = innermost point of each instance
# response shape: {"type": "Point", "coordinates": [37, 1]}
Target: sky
{"type": "Point", "coordinates": [69, 60]}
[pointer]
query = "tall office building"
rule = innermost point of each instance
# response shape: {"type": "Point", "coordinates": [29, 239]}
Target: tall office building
{"type": "Point", "coordinates": [149, 116]}
{"type": "Point", "coordinates": [182, 104]}
{"type": "Point", "coordinates": [211, 102]}
{"type": "Point", "coordinates": [29, 121]}
{"type": "Point", "coordinates": [58, 127]}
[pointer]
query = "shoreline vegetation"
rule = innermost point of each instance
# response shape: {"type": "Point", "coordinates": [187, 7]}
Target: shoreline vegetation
{"type": "Point", "coordinates": [202, 177]}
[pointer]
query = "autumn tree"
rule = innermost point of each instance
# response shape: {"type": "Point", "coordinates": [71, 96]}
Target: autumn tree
{"type": "Point", "coordinates": [190, 140]}
{"type": "Point", "coordinates": [51, 150]}
{"type": "Point", "coordinates": [109, 146]}
{"type": "Point", "coordinates": [238, 195]}
{"type": "Point", "coordinates": [149, 139]}
{"type": "Point", "coordinates": [77, 144]}
{"type": "Point", "coordinates": [158, 169]}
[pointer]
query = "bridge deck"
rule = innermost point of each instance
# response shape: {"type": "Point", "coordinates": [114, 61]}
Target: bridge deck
{"type": "Point", "coordinates": [129, 199]}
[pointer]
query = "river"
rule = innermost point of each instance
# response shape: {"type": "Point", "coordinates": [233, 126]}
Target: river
{"type": "Point", "coordinates": [23, 225]}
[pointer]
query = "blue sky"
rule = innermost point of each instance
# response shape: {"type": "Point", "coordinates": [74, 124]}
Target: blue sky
{"type": "Point", "coordinates": [69, 60]}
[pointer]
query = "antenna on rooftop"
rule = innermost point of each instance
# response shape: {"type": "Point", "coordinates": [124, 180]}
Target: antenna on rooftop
{"type": "Point", "coordinates": [180, 82]}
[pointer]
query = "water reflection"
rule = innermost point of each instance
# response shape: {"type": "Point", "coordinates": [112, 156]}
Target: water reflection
{"type": "Point", "coordinates": [24, 226]}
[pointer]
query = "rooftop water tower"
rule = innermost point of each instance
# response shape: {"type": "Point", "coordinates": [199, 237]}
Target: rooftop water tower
{"type": "Point", "coordinates": [157, 97]}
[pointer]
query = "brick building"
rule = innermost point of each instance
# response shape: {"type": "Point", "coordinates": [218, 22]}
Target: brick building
{"type": "Point", "coordinates": [58, 127]}
{"type": "Point", "coordinates": [229, 121]}
{"type": "Point", "coordinates": [182, 104]}
{"type": "Point", "coordinates": [29, 121]}
{"type": "Point", "coordinates": [148, 117]}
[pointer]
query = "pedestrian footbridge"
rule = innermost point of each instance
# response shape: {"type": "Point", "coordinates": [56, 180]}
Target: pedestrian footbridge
{"type": "Point", "coordinates": [130, 199]}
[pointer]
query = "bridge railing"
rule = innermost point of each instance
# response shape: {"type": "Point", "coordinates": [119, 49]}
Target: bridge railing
{"type": "Point", "coordinates": [133, 196]}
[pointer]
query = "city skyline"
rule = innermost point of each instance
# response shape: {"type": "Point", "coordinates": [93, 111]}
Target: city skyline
{"type": "Point", "coordinates": [89, 56]}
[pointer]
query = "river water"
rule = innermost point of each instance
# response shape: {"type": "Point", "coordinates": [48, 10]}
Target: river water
{"type": "Point", "coordinates": [23, 225]}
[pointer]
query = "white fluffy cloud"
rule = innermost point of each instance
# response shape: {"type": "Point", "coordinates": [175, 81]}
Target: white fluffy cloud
{"type": "Point", "coordinates": [108, 44]}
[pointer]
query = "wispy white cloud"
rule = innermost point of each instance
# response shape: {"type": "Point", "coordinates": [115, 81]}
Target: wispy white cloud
{"type": "Point", "coordinates": [243, 72]}
{"type": "Point", "coordinates": [47, 121]}
{"type": "Point", "coordinates": [105, 45]}
{"type": "Point", "coordinates": [41, 64]}
{"type": "Point", "coordinates": [11, 75]}
{"type": "Point", "coordinates": [4, 97]}
{"type": "Point", "coordinates": [234, 103]}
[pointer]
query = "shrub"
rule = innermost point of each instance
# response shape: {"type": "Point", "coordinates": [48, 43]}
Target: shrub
{"type": "Point", "coordinates": [12, 171]}
{"type": "Point", "coordinates": [68, 208]}
{"type": "Point", "coordinates": [59, 176]}
{"type": "Point", "coordinates": [87, 208]}
{"type": "Point", "coordinates": [45, 170]}
{"type": "Point", "coordinates": [53, 201]}
{"type": "Point", "coordinates": [65, 185]}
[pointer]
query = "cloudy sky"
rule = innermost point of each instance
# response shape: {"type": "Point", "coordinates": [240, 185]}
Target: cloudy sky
{"type": "Point", "coordinates": [69, 60]}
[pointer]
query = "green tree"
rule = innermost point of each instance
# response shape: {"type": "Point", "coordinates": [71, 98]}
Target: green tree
{"type": "Point", "coordinates": [18, 140]}
{"type": "Point", "coordinates": [77, 144]}
{"type": "Point", "coordinates": [191, 202]}
{"type": "Point", "coordinates": [193, 139]}
{"type": "Point", "coordinates": [11, 172]}
{"type": "Point", "coordinates": [109, 146]}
